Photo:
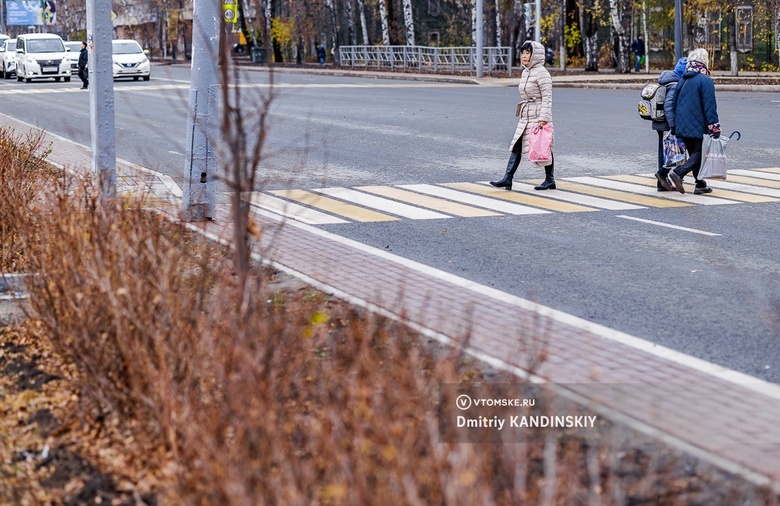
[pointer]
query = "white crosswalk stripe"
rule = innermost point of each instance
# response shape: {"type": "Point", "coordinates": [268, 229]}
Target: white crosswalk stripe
{"type": "Point", "coordinates": [747, 188]}
{"type": "Point", "coordinates": [586, 200]}
{"type": "Point", "coordinates": [755, 173]}
{"type": "Point", "coordinates": [646, 190]}
{"type": "Point", "coordinates": [381, 204]}
{"type": "Point", "coordinates": [476, 200]}
{"type": "Point", "coordinates": [338, 205]}
{"type": "Point", "coordinates": [293, 210]}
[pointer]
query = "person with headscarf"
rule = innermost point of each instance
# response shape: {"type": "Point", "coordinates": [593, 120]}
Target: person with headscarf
{"type": "Point", "coordinates": [668, 79]}
{"type": "Point", "coordinates": [695, 115]}
{"type": "Point", "coordinates": [535, 109]}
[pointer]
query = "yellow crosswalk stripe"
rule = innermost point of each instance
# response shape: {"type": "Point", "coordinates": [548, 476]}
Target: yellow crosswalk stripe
{"type": "Point", "coordinates": [333, 206]}
{"type": "Point", "coordinates": [618, 195]}
{"type": "Point", "coordinates": [724, 194]}
{"type": "Point", "coordinates": [754, 181]}
{"type": "Point", "coordinates": [427, 201]}
{"type": "Point", "coordinates": [521, 198]}
{"type": "Point", "coordinates": [775, 170]}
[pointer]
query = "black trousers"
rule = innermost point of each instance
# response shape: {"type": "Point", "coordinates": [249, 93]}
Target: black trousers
{"type": "Point", "coordinates": [83, 73]}
{"type": "Point", "coordinates": [693, 146]}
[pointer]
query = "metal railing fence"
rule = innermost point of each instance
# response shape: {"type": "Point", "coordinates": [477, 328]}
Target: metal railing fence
{"type": "Point", "coordinates": [451, 60]}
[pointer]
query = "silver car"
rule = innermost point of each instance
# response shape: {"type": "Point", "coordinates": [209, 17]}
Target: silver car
{"type": "Point", "coordinates": [130, 60]}
{"type": "Point", "coordinates": [8, 57]}
{"type": "Point", "coordinates": [74, 50]}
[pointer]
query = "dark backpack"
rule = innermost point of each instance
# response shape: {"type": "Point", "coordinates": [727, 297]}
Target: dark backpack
{"type": "Point", "coordinates": [651, 106]}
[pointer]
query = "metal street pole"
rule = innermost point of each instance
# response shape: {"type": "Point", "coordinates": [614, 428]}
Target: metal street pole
{"type": "Point", "coordinates": [101, 95]}
{"type": "Point", "coordinates": [200, 168]}
{"type": "Point", "coordinates": [480, 40]}
{"type": "Point", "coordinates": [678, 30]}
{"type": "Point", "coordinates": [538, 22]}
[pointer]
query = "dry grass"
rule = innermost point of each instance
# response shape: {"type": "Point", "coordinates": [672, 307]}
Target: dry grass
{"type": "Point", "coordinates": [300, 400]}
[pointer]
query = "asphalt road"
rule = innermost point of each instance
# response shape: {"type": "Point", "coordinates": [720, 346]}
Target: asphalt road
{"type": "Point", "coordinates": [714, 297]}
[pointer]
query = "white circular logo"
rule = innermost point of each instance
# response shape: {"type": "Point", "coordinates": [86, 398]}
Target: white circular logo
{"type": "Point", "coordinates": [463, 402]}
{"type": "Point", "coordinates": [229, 14]}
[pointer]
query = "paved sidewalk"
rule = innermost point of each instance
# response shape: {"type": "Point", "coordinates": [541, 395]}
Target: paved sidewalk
{"type": "Point", "coordinates": [572, 78]}
{"type": "Point", "coordinates": [720, 415]}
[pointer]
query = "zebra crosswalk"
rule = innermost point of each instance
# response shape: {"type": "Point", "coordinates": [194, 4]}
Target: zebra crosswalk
{"type": "Point", "coordinates": [368, 204]}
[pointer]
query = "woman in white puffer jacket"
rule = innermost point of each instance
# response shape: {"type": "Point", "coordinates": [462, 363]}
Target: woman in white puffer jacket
{"type": "Point", "coordinates": [535, 109]}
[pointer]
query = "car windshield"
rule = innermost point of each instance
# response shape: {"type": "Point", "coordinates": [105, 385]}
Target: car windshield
{"type": "Point", "coordinates": [127, 48]}
{"type": "Point", "coordinates": [10, 45]}
{"type": "Point", "coordinates": [45, 46]}
{"type": "Point", "coordinates": [74, 46]}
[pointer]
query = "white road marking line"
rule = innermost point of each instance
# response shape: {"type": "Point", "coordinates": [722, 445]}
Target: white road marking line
{"type": "Point", "coordinates": [382, 204]}
{"type": "Point", "coordinates": [756, 174]}
{"type": "Point", "coordinates": [747, 188]}
{"type": "Point", "coordinates": [475, 200]}
{"type": "Point", "coordinates": [577, 198]}
{"type": "Point", "coordinates": [689, 198]}
{"type": "Point", "coordinates": [676, 227]}
{"type": "Point", "coordinates": [292, 210]}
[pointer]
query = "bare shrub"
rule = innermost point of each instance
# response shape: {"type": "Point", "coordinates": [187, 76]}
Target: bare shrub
{"type": "Point", "coordinates": [119, 291]}
{"type": "Point", "coordinates": [24, 174]}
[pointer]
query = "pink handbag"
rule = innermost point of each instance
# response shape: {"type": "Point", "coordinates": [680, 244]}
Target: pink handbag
{"type": "Point", "coordinates": [540, 141]}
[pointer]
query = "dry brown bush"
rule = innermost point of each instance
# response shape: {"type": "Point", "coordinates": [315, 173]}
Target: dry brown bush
{"type": "Point", "coordinates": [24, 174]}
{"type": "Point", "coordinates": [302, 399]}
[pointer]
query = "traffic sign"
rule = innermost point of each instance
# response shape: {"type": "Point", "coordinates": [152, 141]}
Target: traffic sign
{"type": "Point", "coordinates": [230, 11]}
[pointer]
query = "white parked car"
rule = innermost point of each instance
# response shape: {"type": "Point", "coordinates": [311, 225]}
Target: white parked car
{"type": "Point", "coordinates": [41, 56]}
{"type": "Point", "coordinates": [130, 60]}
{"type": "Point", "coordinates": [8, 57]}
{"type": "Point", "coordinates": [74, 50]}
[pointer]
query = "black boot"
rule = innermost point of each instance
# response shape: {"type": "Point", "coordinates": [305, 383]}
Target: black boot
{"type": "Point", "coordinates": [511, 168]}
{"type": "Point", "coordinates": [664, 184]}
{"type": "Point", "coordinates": [549, 180]}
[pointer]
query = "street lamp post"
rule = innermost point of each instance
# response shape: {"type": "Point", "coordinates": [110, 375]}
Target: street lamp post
{"type": "Point", "coordinates": [678, 34]}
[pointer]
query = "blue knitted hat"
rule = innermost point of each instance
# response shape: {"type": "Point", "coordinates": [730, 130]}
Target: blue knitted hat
{"type": "Point", "coordinates": [680, 68]}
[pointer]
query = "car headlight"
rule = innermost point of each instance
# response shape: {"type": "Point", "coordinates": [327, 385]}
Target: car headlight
{"type": "Point", "coordinates": [31, 60]}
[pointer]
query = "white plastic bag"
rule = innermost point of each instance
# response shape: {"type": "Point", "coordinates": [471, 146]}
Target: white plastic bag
{"type": "Point", "coordinates": [713, 165]}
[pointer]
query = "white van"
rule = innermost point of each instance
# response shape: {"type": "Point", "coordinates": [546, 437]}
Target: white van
{"type": "Point", "coordinates": [40, 56]}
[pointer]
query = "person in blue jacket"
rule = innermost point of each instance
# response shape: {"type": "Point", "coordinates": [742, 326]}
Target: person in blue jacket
{"type": "Point", "coordinates": [669, 79]}
{"type": "Point", "coordinates": [695, 115]}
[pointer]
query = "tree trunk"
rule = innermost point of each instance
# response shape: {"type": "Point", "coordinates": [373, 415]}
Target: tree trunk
{"type": "Point", "coordinates": [562, 50]}
{"type": "Point", "coordinates": [777, 31]}
{"type": "Point", "coordinates": [362, 13]}
{"type": "Point", "coordinates": [350, 23]}
{"type": "Point", "coordinates": [385, 25]}
{"type": "Point", "coordinates": [589, 29]}
{"type": "Point", "coordinates": [335, 34]}
{"type": "Point", "coordinates": [473, 22]}
{"type": "Point", "coordinates": [733, 43]}
{"type": "Point", "coordinates": [498, 23]}
{"type": "Point", "coordinates": [409, 22]}
{"type": "Point", "coordinates": [620, 15]}
{"type": "Point", "coordinates": [267, 28]}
